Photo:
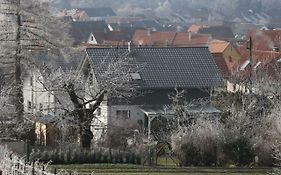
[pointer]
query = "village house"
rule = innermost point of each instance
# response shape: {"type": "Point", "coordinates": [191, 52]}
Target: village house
{"type": "Point", "coordinates": [110, 38]}
{"type": "Point", "coordinates": [220, 32]}
{"type": "Point", "coordinates": [229, 53]}
{"type": "Point", "coordinates": [137, 24]}
{"type": "Point", "coordinates": [191, 69]}
{"type": "Point", "coordinates": [87, 14]}
{"type": "Point", "coordinates": [263, 56]}
{"type": "Point", "coordinates": [81, 30]}
{"type": "Point", "coordinates": [41, 105]}
{"type": "Point", "coordinates": [98, 14]}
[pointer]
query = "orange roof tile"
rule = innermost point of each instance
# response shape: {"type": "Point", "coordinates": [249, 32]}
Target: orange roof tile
{"type": "Point", "coordinates": [218, 46]}
{"type": "Point", "coordinates": [194, 28]}
{"type": "Point", "coordinates": [151, 38]}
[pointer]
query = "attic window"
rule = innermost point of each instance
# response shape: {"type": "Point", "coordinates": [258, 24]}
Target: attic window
{"type": "Point", "coordinates": [245, 64]}
{"type": "Point", "coordinates": [230, 58]}
{"type": "Point", "coordinates": [135, 76]}
{"type": "Point", "coordinates": [92, 37]}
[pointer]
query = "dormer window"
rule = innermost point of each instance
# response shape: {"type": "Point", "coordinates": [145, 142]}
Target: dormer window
{"type": "Point", "coordinates": [275, 49]}
{"type": "Point", "coordinates": [92, 37]}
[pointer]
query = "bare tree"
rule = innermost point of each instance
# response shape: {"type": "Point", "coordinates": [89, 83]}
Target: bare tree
{"type": "Point", "coordinates": [80, 94]}
{"type": "Point", "coordinates": [26, 26]}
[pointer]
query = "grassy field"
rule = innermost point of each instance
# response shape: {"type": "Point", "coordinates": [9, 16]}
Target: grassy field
{"type": "Point", "coordinates": [118, 169]}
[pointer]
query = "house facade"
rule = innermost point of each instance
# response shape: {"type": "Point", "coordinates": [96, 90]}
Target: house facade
{"type": "Point", "coordinates": [40, 108]}
{"type": "Point", "coordinates": [184, 68]}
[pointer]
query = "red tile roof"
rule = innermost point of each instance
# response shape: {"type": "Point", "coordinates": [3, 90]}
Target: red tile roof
{"type": "Point", "coordinates": [265, 40]}
{"type": "Point", "coordinates": [152, 38]}
{"type": "Point", "coordinates": [218, 46]}
{"type": "Point", "coordinates": [194, 28]}
{"type": "Point", "coordinates": [261, 61]}
{"type": "Point", "coordinates": [220, 61]}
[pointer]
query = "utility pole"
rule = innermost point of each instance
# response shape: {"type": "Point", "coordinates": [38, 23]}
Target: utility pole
{"type": "Point", "coordinates": [250, 48]}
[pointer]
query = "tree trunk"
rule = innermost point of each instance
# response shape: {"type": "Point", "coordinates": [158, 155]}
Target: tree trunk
{"type": "Point", "coordinates": [85, 133]}
{"type": "Point", "coordinates": [18, 72]}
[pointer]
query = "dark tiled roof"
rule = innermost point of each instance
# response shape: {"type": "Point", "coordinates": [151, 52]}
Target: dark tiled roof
{"type": "Point", "coordinates": [99, 12]}
{"type": "Point", "coordinates": [166, 67]}
{"type": "Point", "coordinates": [113, 36]}
{"type": "Point", "coordinates": [218, 32]}
{"type": "Point", "coordinates": [81, 30]}
{"type": "Point", "coordinates": [143, 24]}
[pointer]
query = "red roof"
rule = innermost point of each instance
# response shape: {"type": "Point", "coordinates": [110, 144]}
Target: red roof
{"type": "Point", "coordinates": [218, 46]}
{"type": "Point", "coordinates": [265, 40]}
{"type": "Point", "coordinates": [220, 61]}
{"type": "Point", "coordinates": [152, 38]}
{"type": "Point", "coordinates": [261, 61]}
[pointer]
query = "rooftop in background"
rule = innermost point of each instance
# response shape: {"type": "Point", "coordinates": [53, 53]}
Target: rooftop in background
{"type": "Point", "coordinates": [265, 40]}
{"type": "Point", "coordinates": [218, 46]}
{"type": "Point", "coordinates": [180, 39]}
{"type": "Point", "coordinates": [218, 32]}
{"type": "Point", "coordinates": [263, 62]}
{"type": "Point", "coordinates": [164, 67]}
{"type": "Point", "coordinates": [98, 12]}
{"type": "Point", "coordinates": [137, 24]}
{"type": "Point", "coordinates": [81, 30]}
{"type": "Point", "coordinates": [113, 37]}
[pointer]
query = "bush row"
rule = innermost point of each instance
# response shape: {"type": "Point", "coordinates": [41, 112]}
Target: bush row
{"type": "Point", "coordinates": [80, 156]}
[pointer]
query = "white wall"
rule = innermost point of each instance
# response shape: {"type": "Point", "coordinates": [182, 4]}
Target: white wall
{"type": "Point", "coordinates": [36, 94]}
{"type": "Point", "coordinates": [108, 119]}
{"type": "Point", "coordinates": [135, 115]}
{"type": "Point", "coordinates": [92, 39]}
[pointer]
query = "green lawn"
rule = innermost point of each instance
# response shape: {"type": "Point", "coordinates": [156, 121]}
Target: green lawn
{"type": "Point", "coordinates": [118, 169]}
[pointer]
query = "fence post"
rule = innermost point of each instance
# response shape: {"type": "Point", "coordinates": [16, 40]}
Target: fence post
{"type": "Point", "coordinates": [33, 168]}
{"type": "Point", "coordinates": [54, 172]}
{"type": "Point", "coordinates": [43, 169]}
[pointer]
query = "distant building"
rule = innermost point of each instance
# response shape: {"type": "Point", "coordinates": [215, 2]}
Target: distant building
{"type": "Point", "coordinates": [110, 38]}
{"type": "Point", "coordinates": [81, 30]}
{"type": "Point", "coordinates": [174, 39]}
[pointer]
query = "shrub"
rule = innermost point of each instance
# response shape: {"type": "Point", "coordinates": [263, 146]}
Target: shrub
{"type": "Point", "coordinates": [239, 151]}
{"type": "Point", "coordinates": [197, 143]}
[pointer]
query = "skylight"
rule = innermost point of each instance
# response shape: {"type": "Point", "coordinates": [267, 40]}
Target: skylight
{"type": "Point", "coordinates": [135, 76]}
{"type": "Point", "coordinates": [245, 64]}
{"type": "Point", "coordinates": [257, 65]}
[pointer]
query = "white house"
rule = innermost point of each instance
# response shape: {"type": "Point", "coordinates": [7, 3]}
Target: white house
{"type": "Point", "coordinates": [163, 69]}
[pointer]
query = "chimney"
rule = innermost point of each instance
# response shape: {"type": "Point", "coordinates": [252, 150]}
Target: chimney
{"type": "Point", "coordinates": [129, 46]}
{"type": "Point", "coordinates": [189, 35]}
{"type": "Point", "coordinates": [149, 32]}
